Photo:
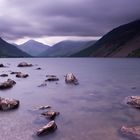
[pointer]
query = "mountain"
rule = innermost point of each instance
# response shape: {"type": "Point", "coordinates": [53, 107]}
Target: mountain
{"type": "Point", "coordinates": [9, 50]}
{"type": "Point", "coordinates": [66, 48]}
{"type": "Point", "coordinates": [123, 41]}
{"type": "Point", "coordinates": [33, 47]}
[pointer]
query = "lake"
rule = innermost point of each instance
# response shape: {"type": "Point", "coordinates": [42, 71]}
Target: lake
{"type": "Point", "coordinates": [92, 110]}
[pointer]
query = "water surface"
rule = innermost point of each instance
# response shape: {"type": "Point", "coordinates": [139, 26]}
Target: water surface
{"type": "Point", "coordinates": [93, 110]}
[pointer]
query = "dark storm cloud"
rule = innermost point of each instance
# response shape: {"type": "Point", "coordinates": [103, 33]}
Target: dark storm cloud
{"type": "Point", "coordinates": [20, 18]}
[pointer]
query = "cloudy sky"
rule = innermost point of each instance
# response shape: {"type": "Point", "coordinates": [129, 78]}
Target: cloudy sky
{"type": "Point", "coordinates": [54, 20]}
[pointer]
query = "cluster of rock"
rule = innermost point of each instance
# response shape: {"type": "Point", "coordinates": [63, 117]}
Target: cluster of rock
{"type": "Point", "coordinates": [8, 104]}
{"type": "Point", "coordinates": [134, 131]}
{"type": "Point", "coordinates": [51, 125]}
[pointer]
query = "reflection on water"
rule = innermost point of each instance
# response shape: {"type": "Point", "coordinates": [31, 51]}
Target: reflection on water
{"type": "Point", "coordinates": [92, 110]}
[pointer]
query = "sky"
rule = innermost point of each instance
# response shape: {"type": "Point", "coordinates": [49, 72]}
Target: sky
{"type": "Point", "coordinates": [50, 21]}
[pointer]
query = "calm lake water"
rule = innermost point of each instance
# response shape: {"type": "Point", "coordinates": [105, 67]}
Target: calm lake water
{"type": "Point", "coordinates": [92, 110]}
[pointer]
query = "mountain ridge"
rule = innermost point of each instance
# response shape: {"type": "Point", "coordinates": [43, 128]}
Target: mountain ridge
{"type": "Point", "coordinates": [119, 42]}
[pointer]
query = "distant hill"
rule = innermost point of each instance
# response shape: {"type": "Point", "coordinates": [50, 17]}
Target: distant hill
{"type": "Point", "coordinates": [9, 50]}
{"type": "Point", "coordinates": [66, 48]}
{"type": "Point", "coordinates": [123, 41]}
{"type": "Point", "coordinates": [33, 47]}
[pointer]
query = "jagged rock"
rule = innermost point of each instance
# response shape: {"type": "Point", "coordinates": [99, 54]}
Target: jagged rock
{"type": "Point", "coordinates": [132, 131]}
{"type": "Point", "coordinates": [21, 75]}
{"type": "Point", "coordinates": [7, 104]}
{"type": "Point", "coordinates": [50, 127]}
{"type": "Point", "coordinates": [24, 64]}
{"type": "Point", "coordinates": [1, 66]}
{"type": "Point", "coordinates": [71, 79]}
{"type": "Point", "coordinates": [43, 107]}
{"type": "Point", "coordinates": [134, 101]}
{"type": "Point", "coordinates": [50, 114]}
{"type": "Point", "coordinates": [7, 84]}
{"type": "Point", "coordinates": [51, 78]}
{"type": "Point", "coordinates": [3, 75]}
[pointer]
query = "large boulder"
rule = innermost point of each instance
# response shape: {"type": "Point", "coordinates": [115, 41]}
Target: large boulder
{"type": "Point", "coordinates": [133, 101]}
{"type": "Point", "coordinates": [8, 104]}
{"type": "Point", "coordinates": [133, 131]}
{"type": "Point", "coordinates": [7, 84]}
{"type": "Point", "coordinates": [21, 75]}
{"type": "Point", "coordinates": [50, 114]}
{"type": "Point", "coordinates": [70, 78]}
{"type": "Point", "coordinates": [50, 127]}
{"type": "Point", "coordinates": [24, 64]}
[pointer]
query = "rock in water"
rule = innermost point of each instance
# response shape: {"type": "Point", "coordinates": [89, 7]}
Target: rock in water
{"type": "Point", "coordinates": [50, 127]}
{"type": "Point", "coordinates": [132, 131]}
{"type": "Point", "coordinates": [7, 84]}
{"type": "Point", "coordinates": [3, 75]}
{"type": "Point", "coordinates": [43, 107]}
{"type": "Point", "coordinates": [134, 101]}
{"type": "Point", "coordinates": [50, 114]}
{"type": "Point", "coordinates": [51, 78]}
{"type": "Point", "coordinates": [24, 64]}
{"type": "Point", "coordinates": [21, 75]}
{"type": "Point", "coordinates": [8, 104]}
{"type": "Point", "coordinates": [15, 72]}
{"type": "Point", "coordinates": [71, 79]}
{"type": "Point", "coordinates": [1, 66]}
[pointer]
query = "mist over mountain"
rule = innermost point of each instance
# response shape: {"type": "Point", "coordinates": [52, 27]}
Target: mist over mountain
{"type": "Point", "coordinates": [32, 47]}
{"type": "Point", "coordinates": [123, 41]}
{"type": "Point", "coordinates": [66, 48]}
{"type": "Point", "coordinates": [9, 50]}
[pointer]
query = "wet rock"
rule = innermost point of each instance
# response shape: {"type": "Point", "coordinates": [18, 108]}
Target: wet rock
{"type": "Point", "coordinates": [133, 101]}
{"type": "Point", "coordinates": [43, 107]}
{"type": "Point", "coordinates": [7, 84]}
{"type": "Point", "coordinates": [22, 75]}
{"type": "Point", "coordinates": [3, 75]}
{"type": "Point", "coordinates": [132, 131]}
{"type": "Point", "coordinates": [71, 79]}
{"type": "Point", "coordinates": [7, 104]}
{"type": "Point", "coordinates": [38, 68]}
{"type": "Point", "coordinates": [51, 78]}
{"type": "Point", "coordinates": [50, 114]}
{"type": "Point", "coordinates": [50, 127]}
{"type": "Point", "coordinates": [24, 64]}
{"type": "Point", "coordinates": [1, 66]}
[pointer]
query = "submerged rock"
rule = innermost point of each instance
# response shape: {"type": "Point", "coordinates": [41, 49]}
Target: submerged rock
{"type": "Point", "coordinates": [38, 68]}
{"type": "Point", "coordinates": [133, 101]}
{"type": "Point", "coordinates": [132, 131]}
{"type": "Point", "coordinates": [21, 75]}
{"type": "Point", "coordinates": [43, 107]}
{"type": "Point", "coordinates": [43, 84]}
{"type": "Point", "coordinates": [7, 104]}
{"type": "Point", "coordinates": [71, 79]}
{"type": "Point", "coordinates": [15, 72]}
{"type": "Point", "coordinates": [50, 127]}
{"type": "Point", "coordinates": [3, 75]}
{"type": "Point", "coordinates": [50, 114]}
{"type": "Point", "coordinates": [24, 64]}
{"type": "Point", "coordinates": [51, 78]}
{"type": "Point", "coordinates": [7, 84]}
